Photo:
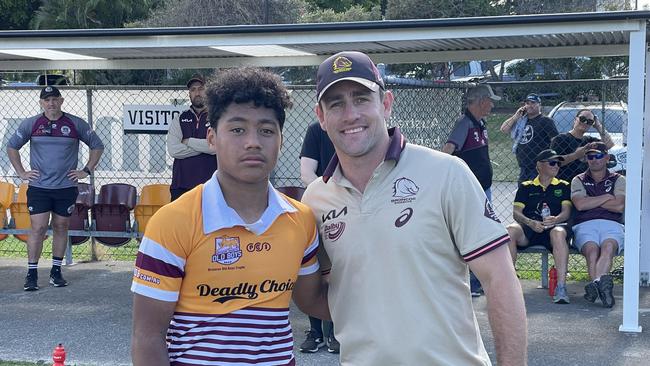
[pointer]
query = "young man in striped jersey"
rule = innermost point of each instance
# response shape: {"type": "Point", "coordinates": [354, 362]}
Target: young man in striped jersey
{"type": "Point", "coordinates": [216, 268]}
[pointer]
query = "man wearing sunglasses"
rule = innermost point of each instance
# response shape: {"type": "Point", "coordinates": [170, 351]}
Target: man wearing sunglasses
{"type": "Point", "coordinates": [531, 228]}
{"type": "Point", "coordinates": [572, 145]}
{"type": "Point", "coordinates": [599, 197]}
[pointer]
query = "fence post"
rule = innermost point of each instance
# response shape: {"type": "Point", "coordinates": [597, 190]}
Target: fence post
{"type": "Point", "coordinates": [89, 105]}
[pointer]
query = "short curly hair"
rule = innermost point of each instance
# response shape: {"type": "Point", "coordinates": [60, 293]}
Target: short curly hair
{"type": "Point", "coordinates": [244, 85]}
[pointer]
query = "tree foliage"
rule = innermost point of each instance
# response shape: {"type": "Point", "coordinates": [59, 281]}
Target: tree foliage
{"type": "Point", "coordinates": [340, 6]}
{"type": "Point", "coordinates": [84, 14]}
{"type": "Point", "coordinates": [186, 13]}
{"type": "Point", "coordinates": [16, 14]}
{"type": "Point", "coordinates": [355, 13]}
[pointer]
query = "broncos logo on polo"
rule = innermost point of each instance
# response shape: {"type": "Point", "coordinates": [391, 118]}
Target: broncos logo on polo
{"type": "Point", "coordinates": [404, 187]}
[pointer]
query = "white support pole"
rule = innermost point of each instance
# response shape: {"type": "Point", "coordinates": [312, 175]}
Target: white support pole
{"type": "Point", "coordinates": [636, 97]}
{"type": "Point", "coordinates": [644, 247]}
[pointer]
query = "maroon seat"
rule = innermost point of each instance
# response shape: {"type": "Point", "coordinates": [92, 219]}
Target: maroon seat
{"type": "Point", "coordinates": [294, 192]}
{"type": "Point", "coordinates": [79, 220]}
{"type": "Point", "coordinates": [112, 212]}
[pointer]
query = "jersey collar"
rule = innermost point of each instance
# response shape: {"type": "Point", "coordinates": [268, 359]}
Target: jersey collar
{"type": "Point", "coordinates": [554, 181]}
{"type": "Point", "coordinates": [218, 215]}
{"type": "Point", "coordinates": [397, 144]}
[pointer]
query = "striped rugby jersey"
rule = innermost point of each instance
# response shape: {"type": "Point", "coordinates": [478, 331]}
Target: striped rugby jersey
{"type": "Point", "coordinates": [231, 281]}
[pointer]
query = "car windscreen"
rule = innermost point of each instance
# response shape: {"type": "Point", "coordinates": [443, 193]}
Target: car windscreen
{"type": "Point", "coordinates": [614, 119]}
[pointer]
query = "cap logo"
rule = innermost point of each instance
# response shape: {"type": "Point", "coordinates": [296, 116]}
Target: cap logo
{"type": "Point", "coordinates": [341, 64]}
{"type": "Point", "coordinates": [48, 89]}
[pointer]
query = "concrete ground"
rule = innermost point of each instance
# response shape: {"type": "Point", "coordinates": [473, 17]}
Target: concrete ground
{"type": "Point", "coordinates": [92, 318]}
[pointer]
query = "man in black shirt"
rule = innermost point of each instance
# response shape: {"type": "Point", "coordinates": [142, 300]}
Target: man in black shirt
{"type": "Point", "coordinates": [533, 228]}
{"type": "Point", "coordinates": [573, 144]}
{"type": "Point", "coordinates": [536, 133]}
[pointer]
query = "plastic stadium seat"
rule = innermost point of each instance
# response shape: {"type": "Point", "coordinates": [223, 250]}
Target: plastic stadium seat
{"type": "Point", "coordinates": [294, 192]}
{"type": "Point", "coordinates": [20, 213]}
{"type": "Point", "coordinates": [152, 197]}
{"type": "Point", "coordinates": [7, 191]}
{"type": "Point", "coordinates": [112, 212]}
{"type": "Point", "coordinates": [79, 220]}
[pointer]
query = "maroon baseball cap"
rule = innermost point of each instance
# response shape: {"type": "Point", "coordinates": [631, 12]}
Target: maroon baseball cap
{"type": "Point", "coordinates": [351, 65]}
{"type": "Point", "coordinates": [597, 147]}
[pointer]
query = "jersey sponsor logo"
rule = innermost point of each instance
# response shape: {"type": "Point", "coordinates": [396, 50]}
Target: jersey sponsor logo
{"type": "Point", "coordinates": [527, 136]}
{"type": "Point", "coordinates": [244, 290]}
{"type": "Point", "coordinates": [404, 217]}
{"type": "Point", "coordinates": [489, 212]}
{"type": "Point", "coordinates": [333, 214]}
{"type": "Point", "coordinates": [145, 277]}
{"type": "Point", "coordinates": [334, 230]}
{"type": "Point", "coordinates": [557, 193]}
{"type": "Point", "coordinates": [404, 190]}
{"type": "Point", "coordinates": [258, 247]}
{"type": "Point", "coordinates": [186, 120]}
{"type": "Point", "coordinates": [65, 130]}
{"type": "Point", "coordinates": [227, 250]}
{"type": "Point", "coordinates": [608, 184]}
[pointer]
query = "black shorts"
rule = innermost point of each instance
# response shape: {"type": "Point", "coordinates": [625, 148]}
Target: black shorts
{"type": "Point", "coordinates": [60, 201]}
{"type": "Point", "coordinates": [543, 238]}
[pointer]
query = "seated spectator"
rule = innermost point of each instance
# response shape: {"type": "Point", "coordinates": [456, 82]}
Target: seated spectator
{"type": "Point", "coordinates": [599, 197]}
{"type": "Point", "coordinates": [573, 144]}
{"type": "Point", "coordinates": [532, 228]}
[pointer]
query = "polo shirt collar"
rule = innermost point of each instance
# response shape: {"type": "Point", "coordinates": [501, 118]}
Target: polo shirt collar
{"type": "Point", "coordinates": [217, 215]}
{"type": "Point", "coordinates": [554, 181]}
{"type": "Point", "coordinates": [395, 148]}
{"type": "Point", "coordinates": [471, 118]}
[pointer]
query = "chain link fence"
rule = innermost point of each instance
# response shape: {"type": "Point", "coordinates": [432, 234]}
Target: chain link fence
{"type": "Point", "coordinates": [426, 116]}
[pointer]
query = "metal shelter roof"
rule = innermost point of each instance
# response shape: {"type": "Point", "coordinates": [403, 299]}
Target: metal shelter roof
{"type": "Point", "coordinates": [401, 41]}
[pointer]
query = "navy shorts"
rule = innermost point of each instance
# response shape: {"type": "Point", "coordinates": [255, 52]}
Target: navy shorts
{"type": "Point", "coordinates": [60, 201]}
{"type": "Point", "coordinates": [543, 238]}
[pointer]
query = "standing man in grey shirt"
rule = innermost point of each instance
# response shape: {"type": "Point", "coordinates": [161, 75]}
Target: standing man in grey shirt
{"type": "Point", "coordinates": [53, 174]}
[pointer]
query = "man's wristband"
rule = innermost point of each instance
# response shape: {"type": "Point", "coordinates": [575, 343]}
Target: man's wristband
{"type": "Point", "coordinates": [87, 170]}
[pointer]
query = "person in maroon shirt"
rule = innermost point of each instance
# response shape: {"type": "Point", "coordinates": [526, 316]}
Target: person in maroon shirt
{"type": "Point", "coordinates": [599, 197]}
{"type": "Point", "coordinates": [194, 163]}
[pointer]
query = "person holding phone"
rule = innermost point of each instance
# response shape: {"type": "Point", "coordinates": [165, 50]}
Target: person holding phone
{"type": "Point", "coordinates": [531, 133]}
{"type": "Point", "coordinates": [572, 145]}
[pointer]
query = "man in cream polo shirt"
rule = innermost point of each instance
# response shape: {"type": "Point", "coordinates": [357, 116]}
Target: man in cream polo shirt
{"type": "Point", "coordinates": [400, 224]}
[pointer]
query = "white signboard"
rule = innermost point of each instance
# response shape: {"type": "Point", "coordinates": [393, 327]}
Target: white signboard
{"type": "Point", "coordinates": [149, 118]}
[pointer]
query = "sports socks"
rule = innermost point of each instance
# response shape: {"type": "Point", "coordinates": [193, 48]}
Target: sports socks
{"type": "Point", "coordinates": [56, 263]}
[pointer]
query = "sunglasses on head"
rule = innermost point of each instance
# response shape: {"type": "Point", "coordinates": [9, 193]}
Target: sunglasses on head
{"type": "Point", "coordinates": [595, 156]}
{"type": "Point", "coordinates": [586, 120]}
{"type": "Point", "coordinates": [551, 162]}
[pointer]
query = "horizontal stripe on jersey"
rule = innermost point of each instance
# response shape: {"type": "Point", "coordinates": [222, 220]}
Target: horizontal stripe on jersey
{"type": "Point", "coordinates": [259, 336]}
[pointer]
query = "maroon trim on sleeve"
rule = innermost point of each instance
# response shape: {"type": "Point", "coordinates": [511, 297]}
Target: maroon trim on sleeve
{"type": "Point", "coordinates": [505, 239]}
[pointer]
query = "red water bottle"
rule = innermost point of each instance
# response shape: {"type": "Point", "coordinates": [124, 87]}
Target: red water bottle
{"type": "Point", "coordinates": [552, 280]}
{"type": "Point", "coordinates": [58, 356]}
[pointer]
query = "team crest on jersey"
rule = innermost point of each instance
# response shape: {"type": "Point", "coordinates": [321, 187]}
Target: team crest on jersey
{"type": "Point", "coordinates": [557, 193]}
{"type": "Point", "coordinates": [489, 211]}
{"type": "Point", "coordinates": [404, 190]}
{"type": "Point", "coordinates": [334, 230]}
{"type": "Point", "coordinates": [608, 185]}
{"type": "Point", "coordinates": [65, 130]}
{"type": "Point", "coordinates": [227, 250]}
